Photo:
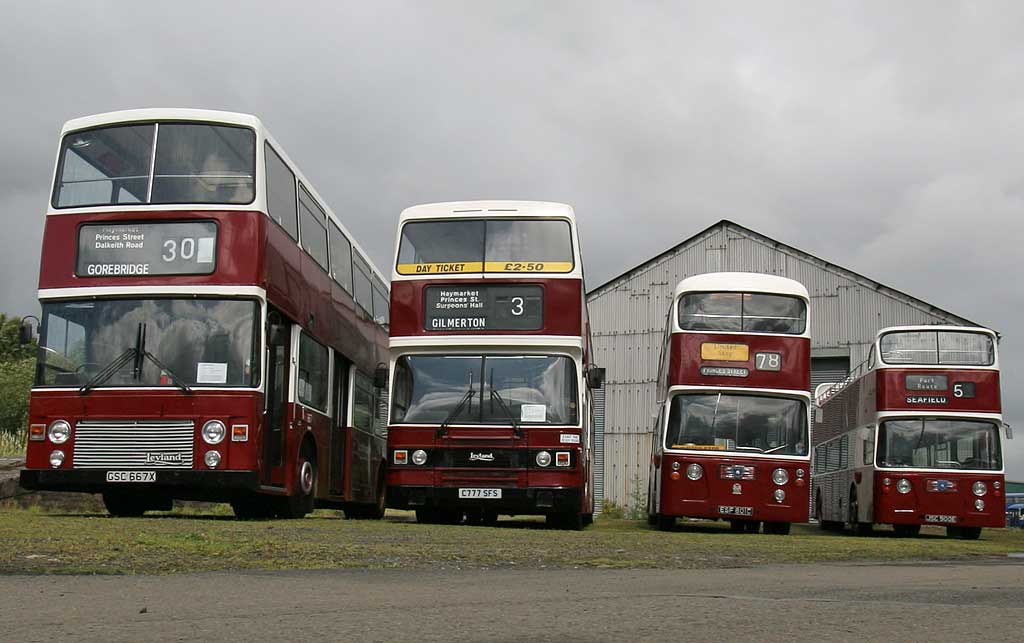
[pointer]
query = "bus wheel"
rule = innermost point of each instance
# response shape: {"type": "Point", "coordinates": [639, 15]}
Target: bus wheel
{"type": "Point", "coordinates": [964, 533]}
{"type": "Point", "coordinates": [300, 502]}
{"type": "Point", "coordinates": [490, 518]}
{"type": "Point", "coordinates": [376, 510]}
{"type": "Point", "coordinates": [737, 526]}
{"type": "Point", "coordinates": [588, 519]}
{"type": "Point", "coordinates": [652, 519]}
{"type": "Point", "coordinates": [752, 526]}
{"type": "Point", "coordinates": [475, 517]}
{"type": "Point", "coordinates": [859, 528]}
{"type": "Point", "coordinates": [123, 506]}
{"type": "Point", "coordinates": [906, 531]}
{"type": "Point", "coordinates": [665, 523]}
{"type": "Point", "coordinates": [571, 521]}
{"type": "Point", "coordinates": [777, 528]}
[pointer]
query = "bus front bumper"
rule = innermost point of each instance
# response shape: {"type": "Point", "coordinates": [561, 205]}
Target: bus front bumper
{"type": "Point", "coordinates": [184, 484]}
{"type": "Point", "coordinates": [513, 501]}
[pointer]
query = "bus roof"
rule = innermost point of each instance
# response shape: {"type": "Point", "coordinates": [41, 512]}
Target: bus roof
{"type": "Point", "coordinates": [462, 209]}
{"type": "Point", "coordinates": [161, 114]}
{"type": "Point", "coordinates": [742, 282]}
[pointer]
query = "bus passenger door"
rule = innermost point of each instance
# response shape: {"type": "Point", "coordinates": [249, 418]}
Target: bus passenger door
{"type": "Point", "coordinates": [339, 432]}
{"type": "Point", "coordinates": [275, 416]}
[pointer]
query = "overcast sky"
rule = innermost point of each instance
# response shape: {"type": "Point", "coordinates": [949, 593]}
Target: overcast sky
{"type": "Point", "coordinates": [887, 138]}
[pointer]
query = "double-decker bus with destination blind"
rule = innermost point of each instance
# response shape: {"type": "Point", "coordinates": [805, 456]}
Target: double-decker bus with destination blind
{"type": "Point", "coordinates": [912, 436]}
{"type": "Point", "coordinates": [731, 438]}
{"type": "Point", "coordinates": [491, 406]}
{"type": "Point", "coordinates": [209, 329]}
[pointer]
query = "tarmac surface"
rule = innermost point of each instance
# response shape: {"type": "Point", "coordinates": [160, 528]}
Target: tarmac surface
{"type": "Point", "coordinates": [904, 602]}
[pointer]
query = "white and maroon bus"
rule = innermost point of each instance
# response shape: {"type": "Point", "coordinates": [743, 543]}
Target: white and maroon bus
{"type": "Point", "coordinates": [731, 438]}
{"type": "Point", "coordinates": [911, 437]}
{"type": "Point", "coordinates": [491, 393]}
{"type": "Point", "coordinates": [209, 328]}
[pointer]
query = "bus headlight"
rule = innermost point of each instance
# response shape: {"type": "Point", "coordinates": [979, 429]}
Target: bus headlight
{"type": "Point", "coordinates": [694, 471]}
{"type": "Point", "coordinates": [56, 459]}
{"type": "Point", "coordinates": [779, 495]}
{"type": "Point", "coordinates": [903, 485]}
{"type": "Point", "coordinates": [59, 432]}
{"type": "Point", "coordinates": [543, 459]}
{"type": "Point", "coordinates": [979, 488]}
{"type": "Point", "coordinates": [419, 456]}
{"type": "Point", "coordinates": [212, 459]}
{"type": "Point", "coordinates": [780, 476]}
{"type": "Point", "coordinates": [979, 504]}
{"type": "Point", "coordinates": [214, 432]}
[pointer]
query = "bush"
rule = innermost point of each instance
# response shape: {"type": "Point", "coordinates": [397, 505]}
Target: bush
{"type": "Point", "coordinates": [15, 383]}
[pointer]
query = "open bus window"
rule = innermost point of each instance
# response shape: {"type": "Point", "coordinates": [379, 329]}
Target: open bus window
{"type": "Point", "coordinates": [939, 444]}
{"type": "Point", "coordinates": [193, 163]}
{"type": "Point", "coordinates": [204, 342]}
{"type": "Point", "coordinates": [532, 389]}
{"type": "Point", "coordinates": [955, 348]}
{"type": "Point", "coordinates": [742, 312]}
{"type": "Point", "coordinates": [733, 422]}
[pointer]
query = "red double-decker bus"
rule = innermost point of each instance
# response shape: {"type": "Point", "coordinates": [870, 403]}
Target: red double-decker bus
{"type": "Point", "coordinates": [209, 329]}
{"type": "Point", "coordinates": [911, 437]}
{"type": "Point", "coordinates": [491, 408]}
{"type": "Point", "coordinates": [731, 437]}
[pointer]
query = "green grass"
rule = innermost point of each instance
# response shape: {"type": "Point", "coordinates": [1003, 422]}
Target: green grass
{"type": "Point", "coordinates": [38, 542]}
{"type": "Point", "coordinates": [12, 445]}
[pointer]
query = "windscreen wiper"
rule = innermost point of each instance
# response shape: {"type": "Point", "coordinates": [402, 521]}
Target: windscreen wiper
{"type": "Point", "coordinates": [466, 398]}
{"type": "Point", "coordinates": [108, 371]}
{"type": "Point", "coordinates": [495, 395]}
{"type": "Point", "coordinates": [145, 354]}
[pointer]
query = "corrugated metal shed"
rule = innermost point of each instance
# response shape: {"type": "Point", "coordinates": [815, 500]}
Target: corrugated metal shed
{"type": "Point", "coordinates": [628, 317]}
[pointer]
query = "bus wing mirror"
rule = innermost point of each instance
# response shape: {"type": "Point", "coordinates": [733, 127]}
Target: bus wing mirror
{"type": "Point", "coordinates": [595, 377]}
{"type": "Point", "coordinates": [276, 335]}
{"type": "Point", "coordinates": [380, 376]}
{"type": "Point", "coordinates": [25, 334]}
{"type": "Point", "coordinates": [1008, 430]}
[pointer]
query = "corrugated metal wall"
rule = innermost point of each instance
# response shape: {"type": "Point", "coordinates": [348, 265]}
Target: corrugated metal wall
{"type": "Point", "coordinates": [628, 317]}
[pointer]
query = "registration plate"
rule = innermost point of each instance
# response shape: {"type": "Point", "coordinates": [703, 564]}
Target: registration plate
{"type": "Point", "coordinates": [735, 511]}
{"type": "Point", "coordinates": [725, 352]}
{"type": "Point", "coordinates": [131, 476]}
{"type": "Point", "coordinates": [480, 494]}
{"type": "Point", "coordinates": [939, 518]}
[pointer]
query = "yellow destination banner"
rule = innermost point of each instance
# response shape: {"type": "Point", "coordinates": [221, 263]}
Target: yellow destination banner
{"type": "Point", "coordinates": [528, 266]}
{"type": "Point", "coordinates": [725, 352]}
{"type": "Point", "coordinates": [454, 267]}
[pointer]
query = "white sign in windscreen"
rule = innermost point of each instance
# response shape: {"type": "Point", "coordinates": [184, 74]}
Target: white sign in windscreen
{"type": "Point", "coordinates": [142, 249]}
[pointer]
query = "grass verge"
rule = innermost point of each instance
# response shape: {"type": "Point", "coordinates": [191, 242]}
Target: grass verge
{"type": "Point", "coordinates": [36, 542]}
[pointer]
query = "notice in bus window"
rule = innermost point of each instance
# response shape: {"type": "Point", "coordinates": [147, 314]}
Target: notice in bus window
{"type": "Point", "coordinates": [144, 249]}
{"type": "Point", "coordinates": [448, 268]}
{"type": "Point", "coordinates": [533, 413]}
{"type": "Point", "coordinates": [725, 352]}
{"type": "Point", "coordinates": [211, 373]}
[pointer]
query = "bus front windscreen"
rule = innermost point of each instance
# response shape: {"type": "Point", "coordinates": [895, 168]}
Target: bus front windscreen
{"type": "Point", "coordinates": [733, 422]}
{"type": "Point", "coordinates": [452, 246]}
{"type": "Point", "coordinates": [149, 342]}
{"type": "Point", "coordinates": [189, 163]}
{"type": "Point", "coordinates": [939, 444]}
{"type": "Point", "coordinates": [485, 389]}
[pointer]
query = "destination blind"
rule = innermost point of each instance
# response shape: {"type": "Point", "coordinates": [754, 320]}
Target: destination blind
{"type": "Point", "coordinates": [147, 249]}
{"type": "Point", "coordinates": [483, 307]}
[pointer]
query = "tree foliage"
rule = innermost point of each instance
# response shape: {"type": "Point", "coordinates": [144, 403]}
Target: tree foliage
{"type": "Point", "coordinates": [17, 368]}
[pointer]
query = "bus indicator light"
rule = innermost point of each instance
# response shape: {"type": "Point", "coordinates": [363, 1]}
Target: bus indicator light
{"type": "Point", "coordinates": [401, 456]}
{"type": "Point", "coordinates": [239, 432]}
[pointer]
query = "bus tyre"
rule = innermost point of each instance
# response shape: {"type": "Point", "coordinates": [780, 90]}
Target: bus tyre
{"type": "Point", "coordinates": [588, 519]}
{"type": "Point", "coordinates": [652, 519]}
{"type": "Point", "coordinates": [906, 531]}
{"type": "Point", "coordinates": [859, 528]}
{"type": "Point", "coordinates": [752, 526]}
{"type": "Point", "coordinates": [665, 523]}
{"type": "Point", "coordinates": [122, 505]}
{"type": "Point", "coordinates": [300, 501]}
{"type": "Point", "coordinates": [490, 518]}
{"type": "Point", "coordinates": [737, 526]}
{"type": "Point", "coordinates": [427, 516]}
{"type": "Point", "coordinates": [964, 533]}
{"type": "Point", "coordinates": [777, 528]}
{"type": "Point", "coordinates": [571, 521]}
{"type": "Point", "coordinates": [253, 508]}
